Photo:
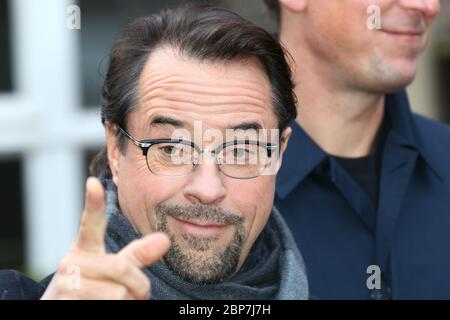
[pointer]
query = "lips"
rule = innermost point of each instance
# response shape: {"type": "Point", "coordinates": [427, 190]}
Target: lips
{"type": "Point", "coordinates": [199, 228]}
{"type": "Point", "coordinates": [410, 38]}
{"type": "Point", "coordinates": [404, 32]}
{"type": "Point", "coordinates": [201, 224]}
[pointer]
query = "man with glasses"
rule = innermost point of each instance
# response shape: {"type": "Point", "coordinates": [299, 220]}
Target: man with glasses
{"type": "Point", "coordinates": [196, 106]}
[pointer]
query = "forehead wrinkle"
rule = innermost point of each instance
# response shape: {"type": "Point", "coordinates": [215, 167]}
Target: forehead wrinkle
{"type": "Point", "coordinates": [188, 97]}
{"type": "Point", "coordinates": [194, 112]}
{"type": "Point", "coordinates": [168, 80]}
{"type": "Point", "coordinates": [192, 87]}
{"type": "Point", "coordinates": [190, 101]}
{"type": "Point", "coordinates": [214, 118]}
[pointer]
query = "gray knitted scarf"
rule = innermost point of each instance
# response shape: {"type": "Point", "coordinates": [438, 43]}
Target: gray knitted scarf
{"type": "Point", "coordinates": [274, 268]}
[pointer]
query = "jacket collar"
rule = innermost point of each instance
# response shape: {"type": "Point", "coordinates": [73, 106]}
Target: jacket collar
{"type": "Point", "coordinates": [405, 131]}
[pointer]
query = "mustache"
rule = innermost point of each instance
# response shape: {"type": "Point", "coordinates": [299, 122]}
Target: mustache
{"type": "Point", "coordinates": [415, 23]}
{"type": "Point", "coordinates": [199, 212]}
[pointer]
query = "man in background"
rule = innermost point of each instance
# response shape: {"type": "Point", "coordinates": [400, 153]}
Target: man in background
{"type": "Point", "coordinates": [365, 184]}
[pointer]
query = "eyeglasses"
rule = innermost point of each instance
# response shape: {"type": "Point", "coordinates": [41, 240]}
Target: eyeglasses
{"type": "Point", "coordinates": [238, 159]}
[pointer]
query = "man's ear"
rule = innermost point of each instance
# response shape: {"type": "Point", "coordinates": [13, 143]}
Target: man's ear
{"type": "Point", "coordinates": [113, 150]}
{"type": "Point", "coordinates": [294, 5]}
{"type": "Point", "coordinates": [285, 136]}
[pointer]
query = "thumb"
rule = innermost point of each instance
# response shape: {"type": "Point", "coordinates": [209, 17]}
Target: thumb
{"type": "Point", "coordinates": [147, 250]}
{"type": "Point", "coordinates": [92, 227]}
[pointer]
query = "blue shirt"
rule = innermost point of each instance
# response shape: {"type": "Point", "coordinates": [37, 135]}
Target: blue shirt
{"type": "Point", "coordinates": [339, 230]}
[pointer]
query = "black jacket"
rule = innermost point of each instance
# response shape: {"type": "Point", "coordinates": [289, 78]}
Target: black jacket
{"type": "Point", "coordinates": [16, 286]}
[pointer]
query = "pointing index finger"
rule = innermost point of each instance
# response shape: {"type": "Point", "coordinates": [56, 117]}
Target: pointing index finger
{"type": "Point", "coordinates": [92, 227]}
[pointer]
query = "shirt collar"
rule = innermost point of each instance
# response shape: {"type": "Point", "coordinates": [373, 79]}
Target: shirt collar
{"type": "Point", "coordinates": [303, 155]}
{"type": "Point", "coordinates": [299, 159]}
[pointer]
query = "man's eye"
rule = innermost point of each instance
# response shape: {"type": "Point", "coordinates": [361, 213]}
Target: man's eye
{"type": "Point", "coordinates": [240, 152]}
{"type": "Point", "coordinates": [172, 150]}
{"type": "Point", "coordinates": [246, 154]}
{"type": "Point", "coordinates": [167, 149]}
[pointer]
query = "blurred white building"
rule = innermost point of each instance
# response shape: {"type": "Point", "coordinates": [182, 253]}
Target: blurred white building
{"type": "Point", "coordinates": [50, 79]}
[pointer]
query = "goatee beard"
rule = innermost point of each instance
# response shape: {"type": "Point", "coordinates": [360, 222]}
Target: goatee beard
{"type": "Point", "coordinates": [190, 260]}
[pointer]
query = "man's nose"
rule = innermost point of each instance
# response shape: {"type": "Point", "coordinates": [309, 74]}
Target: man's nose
{"type": "Point", "coordinates": [429, 8]}
{"type": "Point", "coordinates": [205, 185]}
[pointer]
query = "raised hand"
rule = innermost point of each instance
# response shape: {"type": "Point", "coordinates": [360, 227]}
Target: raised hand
{"type": "Point", "coordinates": [88, 272]}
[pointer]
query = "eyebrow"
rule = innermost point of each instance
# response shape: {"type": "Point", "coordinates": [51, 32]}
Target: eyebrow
{"type": "Point", "coordinates": [162, 120]}
{"type": "Point", "coordinates": [247, 126]}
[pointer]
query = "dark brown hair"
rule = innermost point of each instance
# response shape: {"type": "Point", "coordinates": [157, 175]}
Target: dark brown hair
{"type": "Point", "coordinates": [201, 32]}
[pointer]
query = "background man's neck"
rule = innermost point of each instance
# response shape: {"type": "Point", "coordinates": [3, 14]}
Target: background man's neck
{"type": "Point", "coordinates": [343, 124]}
